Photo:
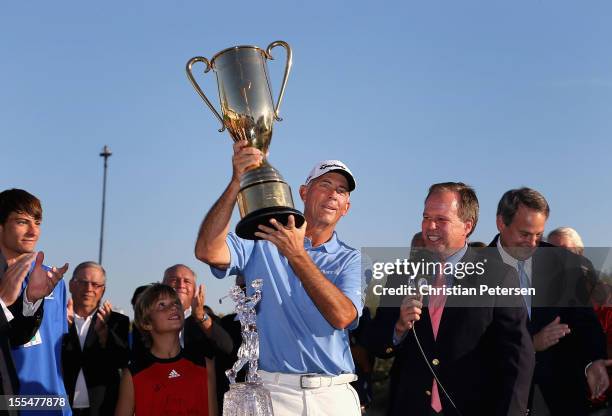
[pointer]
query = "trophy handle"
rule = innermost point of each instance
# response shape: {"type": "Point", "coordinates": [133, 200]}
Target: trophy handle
{"type": "Point", "coordinates": [199, 90]}
{"type": "Point", "coordinates": [287, 69]}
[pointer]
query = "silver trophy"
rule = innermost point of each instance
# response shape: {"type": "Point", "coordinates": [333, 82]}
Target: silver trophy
{"type": "Point", "coordinates": [249, 398]}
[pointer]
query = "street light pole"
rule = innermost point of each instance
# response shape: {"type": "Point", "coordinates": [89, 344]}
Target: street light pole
{"type": "Point", "coordinates": [106, 153]}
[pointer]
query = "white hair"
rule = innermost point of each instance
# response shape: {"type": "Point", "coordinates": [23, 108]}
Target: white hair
{"type": "Point", "coordinates": [569, 233]}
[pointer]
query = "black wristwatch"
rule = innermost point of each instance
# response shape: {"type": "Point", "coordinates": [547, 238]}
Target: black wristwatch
{"type": "Point", "coordinates": [205, 318]}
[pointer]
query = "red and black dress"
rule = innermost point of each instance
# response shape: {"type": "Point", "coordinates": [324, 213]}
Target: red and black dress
{"type": "Point", "coordinates": [175, 386]}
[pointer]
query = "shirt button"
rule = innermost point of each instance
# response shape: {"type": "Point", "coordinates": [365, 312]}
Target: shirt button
{"type": "Point", "coordinates": [389, 350]}
{"type": "Point", "coordinates": [435, 361]}
{"type": "Point", "coordinates": [427, 392]}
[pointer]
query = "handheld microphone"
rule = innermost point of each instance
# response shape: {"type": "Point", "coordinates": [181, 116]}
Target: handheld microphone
{"type": "Point", "coordinates": [420, 283]}
{"type": "Point", "coordinates": [416, 285]}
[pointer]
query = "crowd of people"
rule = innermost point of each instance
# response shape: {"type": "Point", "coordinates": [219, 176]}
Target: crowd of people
{"type": "Point", "coordinates": [509, 356]}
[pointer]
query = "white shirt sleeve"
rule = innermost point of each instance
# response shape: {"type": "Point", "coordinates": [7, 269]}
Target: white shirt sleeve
{"type": "Point", "coordinates": [7, 313]}
{"type": "Point", "coordinates": [29, 308]}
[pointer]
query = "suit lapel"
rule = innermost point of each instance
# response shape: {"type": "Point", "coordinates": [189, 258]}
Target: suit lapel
{"type": "Point", "coordinates": [92, 336]}
{"type": "Point", "coordinates": [74, 336]}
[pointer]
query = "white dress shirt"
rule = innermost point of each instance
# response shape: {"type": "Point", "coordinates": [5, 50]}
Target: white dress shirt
{"type": "Point", "coordinates": [81, 396]}
{"type": "Point", "coordinates": [511, 261]}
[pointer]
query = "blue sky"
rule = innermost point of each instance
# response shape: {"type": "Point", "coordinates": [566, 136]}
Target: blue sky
{"type": "Point", "coordinates": [495, 94]}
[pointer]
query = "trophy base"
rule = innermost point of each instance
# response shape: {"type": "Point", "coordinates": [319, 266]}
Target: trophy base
{"type": "Point", "coordinates": [247, 399]}
{"type": "Point", "coordinates": [247, 226]}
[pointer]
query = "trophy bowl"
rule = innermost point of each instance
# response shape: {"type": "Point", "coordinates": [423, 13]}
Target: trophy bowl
{"type": "Point", "coordinates": [249, 114]}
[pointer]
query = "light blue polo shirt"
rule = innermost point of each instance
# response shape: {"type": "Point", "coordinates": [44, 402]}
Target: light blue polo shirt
{"type": "Point", "coordinates": [293, 335]}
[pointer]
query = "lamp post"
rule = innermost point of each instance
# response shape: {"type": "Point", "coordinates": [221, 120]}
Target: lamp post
{"type": "Point", "coordinates": [106, 153]}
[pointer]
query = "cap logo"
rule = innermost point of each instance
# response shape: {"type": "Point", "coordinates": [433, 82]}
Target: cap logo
{"type": "Point", "coordinates": [325, 166]}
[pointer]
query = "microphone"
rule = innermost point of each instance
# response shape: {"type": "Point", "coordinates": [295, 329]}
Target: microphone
{"type": "Point", "coordinates": [417, 285]}
{"type": "Point", "coordinates": [420, 283]}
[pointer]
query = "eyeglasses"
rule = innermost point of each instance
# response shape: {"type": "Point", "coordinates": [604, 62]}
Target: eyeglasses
{"type": "Point", "coordinates": [86, 283]}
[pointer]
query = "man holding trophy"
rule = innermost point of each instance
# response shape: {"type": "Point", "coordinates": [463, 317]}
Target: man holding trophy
{"type": "Point", "coordinates": [312, 289]}
{"type": "Point", "coordinates": [311, 280]}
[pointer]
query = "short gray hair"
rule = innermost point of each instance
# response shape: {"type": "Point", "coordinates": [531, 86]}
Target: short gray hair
{"type": "Point", "coordinates": [569, 233]}
{"type": "Point", "coordinates": [88, 264]}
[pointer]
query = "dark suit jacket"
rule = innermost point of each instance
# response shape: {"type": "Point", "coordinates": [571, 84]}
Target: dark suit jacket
{"type": "Point", "coordinates": [483, 354]}
{"type": "Point", "coordinates": [12, 334]}
{"type": "Point", "coordinates": [100, 365]}
{"type": "Point", "coordinates": [18, 331]}
{"type": "Point", "coordinates": [218, 342]}
{"type": "Point", "coordinates": [558, 276]}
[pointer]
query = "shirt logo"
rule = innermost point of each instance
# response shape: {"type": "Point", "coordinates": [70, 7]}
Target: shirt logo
{"type": "Point", "coordinates": [173, 374]}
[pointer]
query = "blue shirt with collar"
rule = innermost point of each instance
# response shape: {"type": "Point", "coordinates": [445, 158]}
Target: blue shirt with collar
{"type": "Point", "coordinates": [294, 337]}
{"type": "Point", "coordinates": [38, 362]}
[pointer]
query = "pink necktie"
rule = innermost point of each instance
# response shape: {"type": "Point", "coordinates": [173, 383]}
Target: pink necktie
{"type": "Point", "coordinates": [436, 307]}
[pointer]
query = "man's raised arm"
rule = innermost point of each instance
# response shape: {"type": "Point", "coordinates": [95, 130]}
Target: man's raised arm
{"type": "Point", "coordinates": [211, 247]}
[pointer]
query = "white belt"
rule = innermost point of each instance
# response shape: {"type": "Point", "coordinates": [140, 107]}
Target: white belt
{"type": "Point", "coordinates": [306, 381]}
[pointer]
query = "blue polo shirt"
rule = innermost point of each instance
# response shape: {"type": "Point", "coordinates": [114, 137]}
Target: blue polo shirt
{"type": "Point", "coordinates": [294, 337]}
{"type": "Point", "coordinates": [38, 362]}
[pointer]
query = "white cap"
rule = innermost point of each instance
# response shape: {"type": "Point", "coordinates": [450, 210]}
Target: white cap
{"type": "Point", "coordinates": [326, 166]}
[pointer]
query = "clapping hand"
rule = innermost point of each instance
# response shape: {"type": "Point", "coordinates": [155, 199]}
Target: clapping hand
{"type": "Point", "coordinates": [597, 377]}
{"type": "Point", "coordinates": [42, 282]}
{"type": "Point", "coordinates": [101, 327]}
{"type": "Point", "coordinates": [11, 280]}
{"type": "Point", "coordinates": [550, 335]}
{"type": "Point", "coordinates": [197, 306]}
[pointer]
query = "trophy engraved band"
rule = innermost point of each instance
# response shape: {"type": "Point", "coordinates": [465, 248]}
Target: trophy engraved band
{"type": "Point", "coordinates": [249, 114]}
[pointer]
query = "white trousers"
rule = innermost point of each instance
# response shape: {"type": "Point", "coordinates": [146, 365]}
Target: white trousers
{"type": "Point", "coordinates": [289, 399]}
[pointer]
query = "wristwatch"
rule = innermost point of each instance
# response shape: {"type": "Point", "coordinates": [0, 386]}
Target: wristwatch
{"type": "Point", "coordinates": [205, 318]}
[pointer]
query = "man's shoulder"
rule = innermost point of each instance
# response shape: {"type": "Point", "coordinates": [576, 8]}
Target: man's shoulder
{"type": "Point", "coordinates": [488, 260]}
{"type": "Point", "coordinates": [488, 255]}
{"type": "Point", "coordinates": [192, 331]}
{"type": "Point", "coordinates": [345, 246]}
{"type": "Point", "coordinates": [556, 260]}
{"type": "Point", "coordinates": [141, 363]}
{"type": "Point", "coordinates": [345, 249]}
{"type": "Point", "coordinates": [119, 317]}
